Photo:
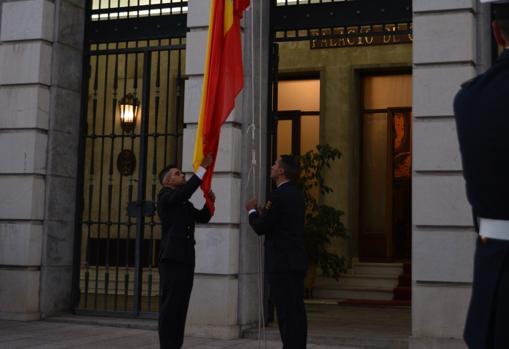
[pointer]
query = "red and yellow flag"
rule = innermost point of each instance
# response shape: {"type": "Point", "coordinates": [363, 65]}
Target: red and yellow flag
{"type": "Point", "coordinates": [222, 82]}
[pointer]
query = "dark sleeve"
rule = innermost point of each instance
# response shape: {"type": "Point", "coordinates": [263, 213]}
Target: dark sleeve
{"type": "Point", "coordinates": [183, 193]}
{"type": "Point", "coordinates": [264, 222]}
{"type": "Point", "coordinates": [203, 215]}
{"type": "Point", "coordinates": [476, 221]}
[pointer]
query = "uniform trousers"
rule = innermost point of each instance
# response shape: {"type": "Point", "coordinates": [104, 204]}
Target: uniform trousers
{"type": "Point", "coordinates": [488, 315]}
{"type": "Point", "coordinates": [176, 281]}
{"type": "Point", "coordinates": [287, 293]}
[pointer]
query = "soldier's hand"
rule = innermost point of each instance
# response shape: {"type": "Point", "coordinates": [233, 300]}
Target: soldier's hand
{"type": "Point", "coordinates": [212, 196]}
{"type": "Point", "coordinates": [251, 204]}
{"type": "Point", "coordinates": [207, 161]}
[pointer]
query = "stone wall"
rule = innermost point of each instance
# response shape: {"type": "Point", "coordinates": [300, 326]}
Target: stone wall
{"type": "Point", "coordinates": [451, 45]}
{"type": "Point", "coordinates": [40, 81]}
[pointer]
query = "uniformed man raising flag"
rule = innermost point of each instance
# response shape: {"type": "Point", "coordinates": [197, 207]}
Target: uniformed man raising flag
{"type": "Point", "coordinates": [282, 222]}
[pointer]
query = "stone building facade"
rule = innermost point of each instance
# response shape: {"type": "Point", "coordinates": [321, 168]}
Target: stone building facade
{"type": "Point", "coordinates": [41, 79]}
{"type": "Point", "coordinates": [451, 45]}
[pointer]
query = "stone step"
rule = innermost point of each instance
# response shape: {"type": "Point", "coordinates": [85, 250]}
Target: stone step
{"type": "Point", "coordinates": [389, 269]}
{"type": "Point", "coordinates": [376, 293]}
{"type": "Point", "coordinates": [403, 293]}
{"type": "Point", "coordinates": [358, 280]}
{"type": "Point", "coordinates": [405, 280]}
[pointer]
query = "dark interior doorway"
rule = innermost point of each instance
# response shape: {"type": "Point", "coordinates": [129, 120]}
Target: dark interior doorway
{"type": "Point", "coordinates": [386, 173]}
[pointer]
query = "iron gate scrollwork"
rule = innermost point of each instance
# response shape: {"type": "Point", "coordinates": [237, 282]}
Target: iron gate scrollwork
{"type": "Point", "coordinates": [117, 228]}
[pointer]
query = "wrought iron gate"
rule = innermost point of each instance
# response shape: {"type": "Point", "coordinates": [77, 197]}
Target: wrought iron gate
{"type": "Point", "coordinates": [132, 127]}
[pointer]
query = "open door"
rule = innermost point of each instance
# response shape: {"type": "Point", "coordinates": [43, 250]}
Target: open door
{"type": "Point", "coordinates": [385, 193]}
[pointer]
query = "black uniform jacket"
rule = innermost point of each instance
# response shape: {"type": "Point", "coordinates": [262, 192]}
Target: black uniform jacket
{"type": "Point", "coordinates": [178, 217]}
{"type": "Point", "coordinates": [481, 108]}
{"type": "Point", "coordinates": [282, 223]}
{"type": "Point", "coordinates": [482, 116]}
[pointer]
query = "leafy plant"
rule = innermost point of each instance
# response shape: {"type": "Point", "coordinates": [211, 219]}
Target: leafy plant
{"type": "Point", "coordinates": [323, 222]}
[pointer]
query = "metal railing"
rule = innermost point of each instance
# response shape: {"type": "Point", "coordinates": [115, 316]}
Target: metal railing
{"type": "Point", "coordinates": [119, 233]}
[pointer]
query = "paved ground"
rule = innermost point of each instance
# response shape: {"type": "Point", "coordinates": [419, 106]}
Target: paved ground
{"type": "Point", "coordinates": [329, 327]}
{"type": "Point", "coordinates": [356, 326]}
{"type": "Point", "coordinates": [53, 335]}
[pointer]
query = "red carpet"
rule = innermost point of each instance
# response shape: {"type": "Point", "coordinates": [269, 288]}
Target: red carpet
{"type": "Point", "coordinates": [403, 292]}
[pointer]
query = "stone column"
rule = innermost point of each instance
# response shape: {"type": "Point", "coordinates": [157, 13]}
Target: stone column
{"type": "Point", "coordinates": [40, 80]}
{"type": "Point", "coordinates": [449, 48]}
{"type": "Point", "coordinates": [224, 294]}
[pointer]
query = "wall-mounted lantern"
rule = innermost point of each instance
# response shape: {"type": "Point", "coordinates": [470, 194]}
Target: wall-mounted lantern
{"type": "Point", "coordinates": [129, 106]}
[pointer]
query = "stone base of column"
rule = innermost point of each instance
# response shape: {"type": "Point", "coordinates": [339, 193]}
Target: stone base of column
{"type": "Point", "coordinates": [216, 332]}
{"type": "Point", "coordinates": [436, 343]}
{"type": "Point", "coordinates": [20, 316]}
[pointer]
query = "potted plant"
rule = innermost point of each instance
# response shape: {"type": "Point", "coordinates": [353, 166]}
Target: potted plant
{"type": "Point", "coordinates": [322, 222]}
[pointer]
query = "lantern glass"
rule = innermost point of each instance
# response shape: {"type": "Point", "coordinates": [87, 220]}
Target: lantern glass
{"type": "Point", "coordinates": [129, 106]}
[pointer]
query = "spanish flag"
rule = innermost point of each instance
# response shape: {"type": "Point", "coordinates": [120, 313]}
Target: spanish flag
{"type": "Point", "coordinates": [222, 82]}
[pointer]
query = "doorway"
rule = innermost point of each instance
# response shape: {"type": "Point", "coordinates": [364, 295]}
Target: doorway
{"type": "Point", "coordinates": [386, 179]}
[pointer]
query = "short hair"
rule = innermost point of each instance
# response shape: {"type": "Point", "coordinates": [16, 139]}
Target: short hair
{"type": "Point", "coordinates": [291, 166]}
{"type": "Point", "coordinates": [164, 172]}
{"type": "Point", "coordinates": [501, 11]}
{"type": "Point", "coordinates": [504, 28]}
{"type": "Point", "coordinates": [501, 16]}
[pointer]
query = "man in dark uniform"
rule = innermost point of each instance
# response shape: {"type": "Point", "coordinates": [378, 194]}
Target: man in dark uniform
{"type": "Point", "coordinates": [177, 255]}
{"type": "Point", "coordinates": [282, 223]}
{"type": "Point", "coordinates": [482, 116]}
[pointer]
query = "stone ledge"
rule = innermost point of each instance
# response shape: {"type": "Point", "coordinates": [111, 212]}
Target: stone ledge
{"type": "Point", "coordinates": [20, 316]}
{"type": "Point", "coordinates": [217, 250]}
{"type": "Point", "coordinates": [34, 57]}
{"type": "Point", "coordinates": [22, 197]}
{"type": "Point", "coordinates": [27, 20]}
{"type": "Point", "coordinates": [440, 200]}
{"type": "Point", "coordinates": [423, 6]}
{"type": "Point", "coordinates": [24, 107]}
{"type": "Point", "coordinates": [434, 94]}
{"type": "Point", "coordinates": [20, 244]}
{"type": "Point", "coordinates": [436, 343]}
{"type": "Point", "coordinates": [198, 14]}
{"type": "Point", "coordinates": [446, 304]}
{"type": "Point", "coordinates": [27, 153]}
{"type": "Point", "coordinates": [20, 293]}
{"type": "Point", "coordinates": [431, 45]}
{"type": "Point", "coordinates": [435, 145]}
{"type": "Point", "coordinates": [214, 303]}
{"type": "Point", "coordinates": [443, 255]}
{"type": "Point", "coordinates": [215, 332]}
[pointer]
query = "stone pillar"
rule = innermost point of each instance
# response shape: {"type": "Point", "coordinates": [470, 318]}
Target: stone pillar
{"type": "Point", "coordinates": [449, 48]}
{"type": "Point", "coordinates": [223, 301]}
{"type": "Point", "coordinates": [40, 79]}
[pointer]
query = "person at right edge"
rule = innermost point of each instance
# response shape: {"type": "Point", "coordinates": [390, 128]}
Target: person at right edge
{"type": "Point", "coordinates": [481, 109]}
{"type": "Point", "coordinates": [282, 223]}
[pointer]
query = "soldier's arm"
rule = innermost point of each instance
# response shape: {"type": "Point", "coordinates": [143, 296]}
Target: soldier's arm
{"type": "Point", "coordinates": [183, 193]}
{"type": "Point", "coordinates": [263, 222]}
{"type": "Point", "coordinates": [203, 215]}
